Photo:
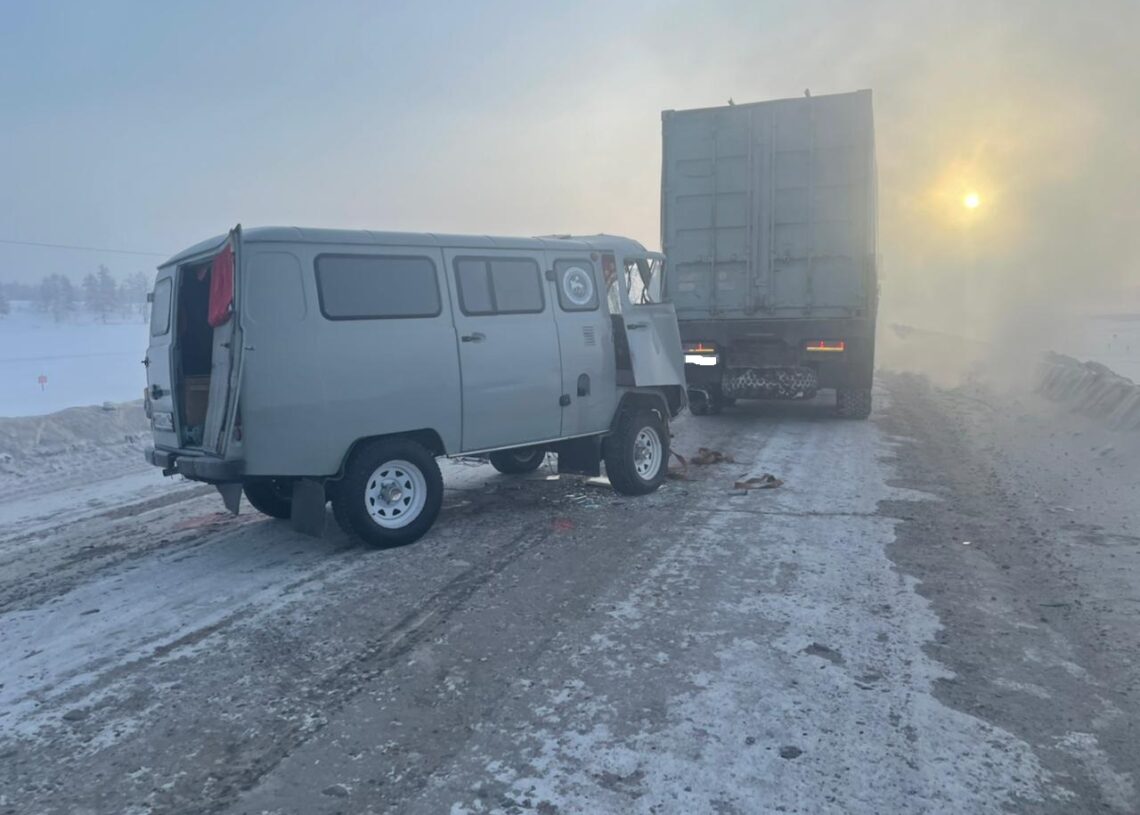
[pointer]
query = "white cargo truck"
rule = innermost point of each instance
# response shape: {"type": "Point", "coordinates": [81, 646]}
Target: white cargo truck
{"type": "Point", "coordinates": [307, 365]}
{"type": "Point", "coordinates": [769, 220]}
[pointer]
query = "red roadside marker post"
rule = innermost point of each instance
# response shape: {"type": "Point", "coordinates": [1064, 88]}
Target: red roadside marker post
{"type": "Point", "coordinates": [42, 379]}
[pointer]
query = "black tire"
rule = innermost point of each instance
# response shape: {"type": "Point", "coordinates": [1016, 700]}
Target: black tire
{"type": "Point", "coordinates": [698, 403]}
{"type": "Point", "coordinates": [270, 496]}
{"type": "Point", "coordinates": [853, 403]}
{"type": "Point", "coordinates": [519, 461]}
{"type": "Point", "coordinates": [353, 507]}
{"type": "Point", "coordinates": [716, 399]}
{"type": "Point", "coordinates": [622, 451]}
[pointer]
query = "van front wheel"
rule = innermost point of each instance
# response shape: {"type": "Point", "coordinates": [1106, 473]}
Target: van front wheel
{"type": "Point", "coordinates": [637, 453]}
{"type": "Point", "coordinates": [391, 493]}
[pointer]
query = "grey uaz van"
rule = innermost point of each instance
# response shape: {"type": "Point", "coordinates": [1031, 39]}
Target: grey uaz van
{"type": "Point", "coordinates": [310, 365]}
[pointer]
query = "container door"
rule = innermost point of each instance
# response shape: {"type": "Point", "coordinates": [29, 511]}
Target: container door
{"type": "Point", "coordinates": [225, 370]}
{"type": "Point", "coordinates": [651, 326]}
{"type": "Point", "coordinates": [708, 216]}
{"type": "Point", "coordinates": [159, 361]}
{"type": "Point", "coordinates": [508, 350]}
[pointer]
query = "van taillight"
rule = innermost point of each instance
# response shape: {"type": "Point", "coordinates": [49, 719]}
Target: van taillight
{"type": "Point", "coordinates": [826, 345]}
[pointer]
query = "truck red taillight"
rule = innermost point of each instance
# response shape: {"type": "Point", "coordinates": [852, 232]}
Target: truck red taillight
{"type": "Point", "coordinates": [700, 353]}
{"type": "Point", "coordinates": [833, 346]}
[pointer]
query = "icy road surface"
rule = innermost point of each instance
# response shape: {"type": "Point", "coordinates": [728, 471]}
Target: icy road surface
{"type": "Point", "coordinates": [930, 615]}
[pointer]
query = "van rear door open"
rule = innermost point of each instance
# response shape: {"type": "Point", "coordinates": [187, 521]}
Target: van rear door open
{"type": "Point", "coordinates": [159, 362]}
{"type": "Point", "coordinates": [225, 367]}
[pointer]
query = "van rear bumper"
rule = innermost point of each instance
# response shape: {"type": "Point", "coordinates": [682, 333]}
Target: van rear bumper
{"type": "Point", "coordinates": [197, 468]}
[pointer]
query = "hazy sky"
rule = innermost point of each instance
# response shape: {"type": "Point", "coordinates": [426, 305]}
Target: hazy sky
{"type": "Point", "coordinates": [149, 125]}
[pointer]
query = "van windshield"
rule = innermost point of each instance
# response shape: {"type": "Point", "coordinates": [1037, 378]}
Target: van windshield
{"type": "Point", "coordinates": [643, 280]}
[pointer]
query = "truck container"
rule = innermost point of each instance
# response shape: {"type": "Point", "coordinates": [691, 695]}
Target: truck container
{"type": "Point", "coordinates": [768, 222]}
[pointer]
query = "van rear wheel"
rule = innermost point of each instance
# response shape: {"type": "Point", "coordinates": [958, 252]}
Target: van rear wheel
{"type": "Point", "coordinates": [637, 453]}
{"type": "Point", "coordinates": [518, 462]}
{"type": "Point", "coordinates": [270, 496]}
{"type": "Point", "coordinates": [391, 493]}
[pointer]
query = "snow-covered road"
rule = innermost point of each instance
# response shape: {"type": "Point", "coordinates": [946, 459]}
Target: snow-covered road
{"type": "Point", "coordinates": [834, 645]}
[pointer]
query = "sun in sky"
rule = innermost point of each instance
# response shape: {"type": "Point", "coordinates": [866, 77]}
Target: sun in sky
{"type": "Point", "coordinates": [971, 200]}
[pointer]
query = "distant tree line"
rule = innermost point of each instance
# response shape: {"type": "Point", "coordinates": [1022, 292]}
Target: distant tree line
{"type": "Point", "coordinates": [100, 294]}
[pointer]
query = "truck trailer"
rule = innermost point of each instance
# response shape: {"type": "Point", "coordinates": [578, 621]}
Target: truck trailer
{"type": "Point", "coordinates": [768, 222]}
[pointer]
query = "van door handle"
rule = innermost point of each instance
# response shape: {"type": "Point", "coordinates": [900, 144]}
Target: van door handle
{"type": "Point", "coordinates": [477, 336]}
{"type": "Point", "coordinates": [636, 325]}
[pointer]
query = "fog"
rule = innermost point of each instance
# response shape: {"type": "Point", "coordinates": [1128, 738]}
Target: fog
{"type": "Point", "coordinates": [517, 119]}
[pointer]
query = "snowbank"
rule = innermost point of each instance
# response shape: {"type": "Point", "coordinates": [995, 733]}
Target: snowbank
{"type": "Point", "coordinates": [84, 441]}
{"type": "Point", "coordinates": [1091, 389]}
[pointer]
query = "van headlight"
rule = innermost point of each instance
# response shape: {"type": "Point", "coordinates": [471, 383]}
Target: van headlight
{"type": "Point", "coordinates": [163, 421]}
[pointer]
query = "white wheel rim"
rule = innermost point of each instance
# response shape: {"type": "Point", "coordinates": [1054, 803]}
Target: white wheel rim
{"type": "Point", "coordinates": [647, 453]}
{"type": "Point", "coordinates": [395, 494]}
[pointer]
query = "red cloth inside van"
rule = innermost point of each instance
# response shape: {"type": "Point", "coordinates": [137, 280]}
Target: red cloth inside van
{"type": "Point", "coordinates": [221, 287]}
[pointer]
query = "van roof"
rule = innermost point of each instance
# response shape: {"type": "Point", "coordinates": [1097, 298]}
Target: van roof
{"type": "Point", "coordinates": [368, 237]}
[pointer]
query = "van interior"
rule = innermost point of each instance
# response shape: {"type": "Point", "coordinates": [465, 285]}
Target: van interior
{"type": "Point", "coordinates": [193, 350]}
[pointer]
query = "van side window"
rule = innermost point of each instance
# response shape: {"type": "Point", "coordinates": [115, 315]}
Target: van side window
{"type": "Point", "coordinates": [372, 287]}
{"type": "Point", "coordinates": [160, 308]}
{"type": "Point", "coordinates": [499, 286]}
{"type": "Point", "coordinates": [474, 287]}
{"type": "Point", "coordinates": [577, 289]}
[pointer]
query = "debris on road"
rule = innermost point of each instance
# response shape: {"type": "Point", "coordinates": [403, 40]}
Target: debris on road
{"type": "Point", "coordinates": [681, 474]}
{"type": "Point", "coordinates": [822, 651]}
{"type": "Point", "coordinates": [706, 456]}
{"type": "Point", "coordinates": [767, 481]}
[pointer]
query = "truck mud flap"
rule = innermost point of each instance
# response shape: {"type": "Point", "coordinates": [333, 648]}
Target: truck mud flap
{"type": "Point", "coordinates": [770, 383]}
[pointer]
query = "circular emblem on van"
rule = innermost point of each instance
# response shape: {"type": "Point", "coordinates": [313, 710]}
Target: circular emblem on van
{"type": "Point", "coordinates": [578, 285]}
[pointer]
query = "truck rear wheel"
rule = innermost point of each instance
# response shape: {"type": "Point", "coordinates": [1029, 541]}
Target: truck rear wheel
{"type": "Point", "coordinates": [853, 403]}
{"type": "Point", "coordinates": [518, 462]}
{"type": "Point", "coordinates": [637, 453]}
{"type": "Point", "coordinates": [391, 493]}
{"type": "Point", "coordinates": [270, 496]}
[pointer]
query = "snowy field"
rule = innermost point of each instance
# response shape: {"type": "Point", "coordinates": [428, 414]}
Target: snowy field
{"type": "Point", "coordinates": [88, 363]}
{"type": "Point", "coordinates": [85, 362]}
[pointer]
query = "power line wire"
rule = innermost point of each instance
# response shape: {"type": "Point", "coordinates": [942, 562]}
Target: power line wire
{"type": "Point", "coordinates": [85, 248]}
